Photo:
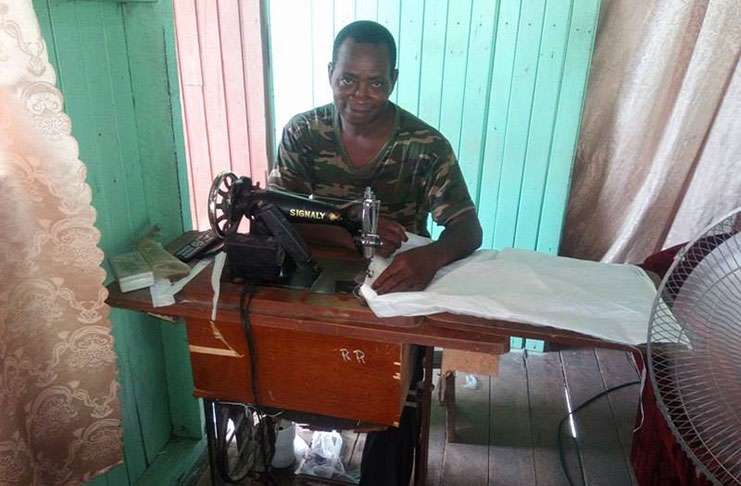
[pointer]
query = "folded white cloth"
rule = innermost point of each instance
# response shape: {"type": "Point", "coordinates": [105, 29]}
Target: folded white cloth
{"type": "Point", "coordinates": [163, 292]}
{"type": "Point", "coordinates": [608, 301]}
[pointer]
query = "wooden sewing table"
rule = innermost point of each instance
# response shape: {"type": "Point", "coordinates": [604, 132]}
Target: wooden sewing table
{"type": "Point", "coordinates": [323, 354]}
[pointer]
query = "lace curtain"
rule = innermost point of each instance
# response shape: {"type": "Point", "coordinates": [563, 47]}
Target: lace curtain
{"type": "Point", "coordinates": [60, 420]}
{"type": "Point", "coordinates": [660, 148]}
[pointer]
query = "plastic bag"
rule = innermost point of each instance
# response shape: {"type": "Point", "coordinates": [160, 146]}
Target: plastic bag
{"type": "Point", "coordinates": [300, 449]}
{"type": "Point", "coordinates": [324, 458]}
{"type": "Point", "coordinates": [471, 382]}
{"type": "Point", "coordinates": [285, 433]}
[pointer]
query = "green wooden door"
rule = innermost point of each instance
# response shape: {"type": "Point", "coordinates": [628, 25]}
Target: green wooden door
{"type": "Point", "coordinates": [115, 66]}
{"type": "Point", "coordinates": [504, 81]}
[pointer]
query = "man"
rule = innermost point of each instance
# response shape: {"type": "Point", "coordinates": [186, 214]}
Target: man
{"type": "Point", "coordinates": [362, 139]}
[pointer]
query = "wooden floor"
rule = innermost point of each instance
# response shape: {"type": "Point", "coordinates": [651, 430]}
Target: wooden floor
{"type": "Point", "coordinates": [506, 426]}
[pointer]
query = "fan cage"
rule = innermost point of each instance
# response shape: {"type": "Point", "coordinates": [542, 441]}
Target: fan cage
{"type": "Point", "coordinates": [694, 350]}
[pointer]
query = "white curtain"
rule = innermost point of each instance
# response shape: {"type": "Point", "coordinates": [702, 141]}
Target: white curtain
{"type": "Point", "coordinates": [659, 156]}
{"type": "Point", "coordinates": [60, 421]}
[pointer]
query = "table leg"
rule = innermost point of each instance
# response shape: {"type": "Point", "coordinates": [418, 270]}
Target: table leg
{"type": "Point", "coordinates": [424, 400]}
{"type": "Point", "coordinates": [208, 415]}
{"type": "Point", "coordinates": [448, 392]}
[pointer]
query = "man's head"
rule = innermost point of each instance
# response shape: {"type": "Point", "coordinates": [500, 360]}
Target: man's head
{"type": "Point", "coordinates": [362, 73]}
{"type": "Point", "coordinates": [366, 32]}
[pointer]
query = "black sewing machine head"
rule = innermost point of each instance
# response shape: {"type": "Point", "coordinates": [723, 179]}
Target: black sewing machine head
{"type": "Point", "coordinates": [272, 248]}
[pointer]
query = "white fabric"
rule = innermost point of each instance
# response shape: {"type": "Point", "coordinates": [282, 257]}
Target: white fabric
{"type": "Point", "coordinates": [219, 261]}
{"type": "Point", "coordinates": [163, 291]}
{"type": "Point", "coordinates": [607, 301]}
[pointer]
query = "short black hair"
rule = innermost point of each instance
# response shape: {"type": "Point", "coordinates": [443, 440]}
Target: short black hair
{"type": "Point", "coordinates": [366, 32]}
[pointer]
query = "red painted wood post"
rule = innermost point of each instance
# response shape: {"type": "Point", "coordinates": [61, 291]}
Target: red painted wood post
{"type": "Point", "coordinates": [221, 51]}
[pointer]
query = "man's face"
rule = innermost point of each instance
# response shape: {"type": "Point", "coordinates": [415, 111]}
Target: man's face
{"type": "Point", "coordinates": [361, 81]}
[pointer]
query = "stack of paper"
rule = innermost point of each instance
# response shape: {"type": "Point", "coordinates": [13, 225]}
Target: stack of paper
{"type": "Point", "coordinates": [132, 271]}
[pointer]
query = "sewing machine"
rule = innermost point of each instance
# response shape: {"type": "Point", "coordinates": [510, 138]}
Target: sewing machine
{"type": "Point", "coordinates": [272, 251]}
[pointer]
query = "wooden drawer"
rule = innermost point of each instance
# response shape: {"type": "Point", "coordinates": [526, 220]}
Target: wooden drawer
{"type": "Point", "coordinates": [342, 377]}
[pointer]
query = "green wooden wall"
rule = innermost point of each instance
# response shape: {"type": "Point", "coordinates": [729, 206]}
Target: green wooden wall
{"type": "Point", "coordinates": [504, 80]}
{"type": "Point", "coordinates": [115, 65]}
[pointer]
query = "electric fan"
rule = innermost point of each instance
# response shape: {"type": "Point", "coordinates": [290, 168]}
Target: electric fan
{"type": "Point", "coordinates": [694, 350]}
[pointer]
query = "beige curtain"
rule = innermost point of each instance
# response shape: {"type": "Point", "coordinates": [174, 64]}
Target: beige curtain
{"type": "Point", "coordinates": [659, 156]}
{"type": "Point", "coordinates": [60, 420]}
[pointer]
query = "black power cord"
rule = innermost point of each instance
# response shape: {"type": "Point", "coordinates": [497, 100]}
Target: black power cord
{"type": "Point", "coordinates": [561, 452]}
{"type": "Point", "coordinates": [253, 428]}
{"type": "Point", "coordinates": [245, 299]}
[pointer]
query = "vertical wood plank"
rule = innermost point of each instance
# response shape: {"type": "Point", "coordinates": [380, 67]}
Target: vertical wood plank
{"type": "Point", "coordinates": [291, 37]}
{"type": "Point", "coordinates": [185, 423]}
{"type": "Point", "coordinates": [118, 476]}
{"type": "Point", "coordinates": [454, 77]}
{"type": "Point", "coordinates": [511, 459]}
{"type": "Point", "coordinates": [431, 68]}
{"type": "Point", "coordinates": [235, 100]}
{"type": "Point", "coordinates": [566, 127]}
{"type": "Point", "coordinates": [253, 18]}
{"type": "Point", "coordinates": [176, 112]}
{"type": "Point", "coordinates": [98, 481]}
{"type": "Point", "coordinates": [148, 372]}
{"type": "Point", "coordinates": [547, 408]}
{"type": "Point", "coordinates": [344, 13]}
{"type": "Point", "coordinates": [78, 102]}
{"type": "Point", "coordinates": [186, 22]}
{"type": "Point", "coordinates": [366, 9]}
{"type": "Point", "coordinates": [134, 448]}
{"type": "Point", "coordinates": [213, 85]}
{"type": "Point", "coordinates": [187, 198]}
{"type": "Point", "coordinates": [409, 54]}
{"type": "Point", "coordinates": [518, 120]}
{"type": "Point", "coordinates": [496, 126]}
{"type": "Point", "coordinates": [467, 459]}
{"type": "Point", "coordinates": [454, 72]}
{"type": "Point", "coordinates": [113, 118]}
{"type": "Point", "coordinates": [153, 115]}
{"type": "Point", "coordinates": [600, 446]}
{"type": "Point", "coordinates": [617, 367]}
{"type": "Point", "coordinates": [542, 117]}
{"type": "Point", "coordinates": [437, 441]}
{"type": "Point", "coordinates": [389, 13]}
{"type": "Point", "coordinates": [476, 100]}
{"type": "Point", "coordinates": [194, 115]}
{"type": "Point", "coordinates": [322, 43]}
{"type": "Point", "coordinates": [139, 164]}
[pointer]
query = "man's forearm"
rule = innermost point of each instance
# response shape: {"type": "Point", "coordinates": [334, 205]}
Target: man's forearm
{"type": "Point", "coordinates": [461, 237]}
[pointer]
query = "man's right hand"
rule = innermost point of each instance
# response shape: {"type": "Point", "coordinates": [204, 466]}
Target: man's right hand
{"type": "Point", "coordinates": [392, 235]}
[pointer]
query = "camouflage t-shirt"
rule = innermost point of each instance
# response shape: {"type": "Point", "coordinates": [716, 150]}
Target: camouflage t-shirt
{"type": "Point", "coordinates": [413, 175]}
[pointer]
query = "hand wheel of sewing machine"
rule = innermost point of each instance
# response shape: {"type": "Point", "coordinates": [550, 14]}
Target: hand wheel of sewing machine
{"type": "Point", "coordinates": [219, 203]}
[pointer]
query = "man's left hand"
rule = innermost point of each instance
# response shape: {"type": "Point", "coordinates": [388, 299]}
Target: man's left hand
{"type": "Point", "coordinates": [411, 270]}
